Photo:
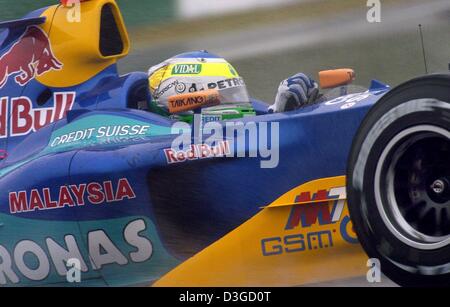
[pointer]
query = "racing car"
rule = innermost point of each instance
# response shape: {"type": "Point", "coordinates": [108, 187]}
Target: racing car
{"type": "Point", "coordinates": [92, 187]}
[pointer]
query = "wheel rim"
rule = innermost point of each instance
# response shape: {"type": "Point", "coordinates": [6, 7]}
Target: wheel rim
{"type": "Point", "coordinates": [412, 186]}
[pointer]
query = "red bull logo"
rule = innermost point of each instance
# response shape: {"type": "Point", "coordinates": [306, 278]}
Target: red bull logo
{"type": "Point", "coordinates": [25, 119]}
{"type": "Point", "coordinates": [29, 57]}
{"type": "Point", "coordinates": [197, 151]}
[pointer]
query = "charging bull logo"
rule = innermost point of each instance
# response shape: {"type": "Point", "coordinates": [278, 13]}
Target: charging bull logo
{"type": "Point", "coordinates": [29, 57]}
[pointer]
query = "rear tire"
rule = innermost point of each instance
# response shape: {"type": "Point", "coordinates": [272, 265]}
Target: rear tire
{"type": "Point", "coordinates": [398, 182]}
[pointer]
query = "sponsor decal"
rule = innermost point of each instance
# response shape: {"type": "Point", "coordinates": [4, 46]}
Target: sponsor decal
{"type": "Point", "coordinates": [245, 139]}
{"type": "Point", "coordinates": [26, 119]}
{"type": "Point", "coordinates": [29, 57]}
{"type": "Point", "coordinates": [180, 88]}
{"type": "Point", "coordinates": [196, 152]}
{"type": "Point", "coordinates": [16, 265]}
{"type": "Point", "coordinates": [206, 118]}
{"type": "Point", "coordinates": [193, 88]}
{"type": "Point", "coordinates": [349, 101]}
{"type": "Point", "coordinates": [227, 83]}
{"type": "Point", "coordinates": [185, 102]}
{"type": "Point", "coordinates": [323, 209]}
{"type": "Point", "coordinates": [316, 208]}
{"type": "Point", "coordinates": [187, 69]}
{"type": "Point", "coordinates": [93, 193]}
{"type": "Point", "coordinates": [99, 133]}
{"type": "Point", "coordinates": [158, 93]}
{"type": "Point", "coordinates": [3, 117]}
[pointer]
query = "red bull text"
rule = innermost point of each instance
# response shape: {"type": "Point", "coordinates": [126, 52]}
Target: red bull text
{"type": "Point", "coordinates": [25, 119]}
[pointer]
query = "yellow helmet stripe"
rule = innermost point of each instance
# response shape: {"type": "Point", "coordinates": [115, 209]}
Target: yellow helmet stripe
{"type": "Point", "coordinates": [189, 69]}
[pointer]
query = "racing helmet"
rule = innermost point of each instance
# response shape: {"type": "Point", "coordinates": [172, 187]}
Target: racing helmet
{"type": "Point", "coordinates": [200, 71]}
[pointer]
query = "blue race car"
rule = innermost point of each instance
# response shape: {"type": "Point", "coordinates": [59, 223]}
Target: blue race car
{"type": "Point", "coordinates": [94, 192]}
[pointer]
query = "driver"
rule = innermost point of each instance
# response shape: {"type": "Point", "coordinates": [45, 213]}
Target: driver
{"type": "Point", "coordinates": [201, 70]}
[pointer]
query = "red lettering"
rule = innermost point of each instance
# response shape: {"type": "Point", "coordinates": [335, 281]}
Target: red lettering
{"type": "Point", "coordinates": [192, 153]}
{"type": "Point", "coordinates": [204, 151]}
{"type": "Point", "coordinates": [225, 147]}
{"type": "Point", "coordinates": [321, 195]}
{"type": "Point", "coordinates": [96, 195]}
{"type": "Point", "coordinates": [124, 190]}
{"type": "Point", "coordinates": [49, 204]}
{"type": "Point", "coordinates": [170, 155]}
{"type": "Point", "coordinates": [18, 202]}
{"type": "Point", "coordinates": [36, 201]}
{"type": "Point", "coordinates": [217, 151]}
{"type": "Point", "coordinates": [303, 197]}
{"type": "Point", "coordinates": [25, 119]}
{"type": "Point", "coordinates": [294, 218]}
{"type": "Point", "coordinates": [79, 191]}
{"type": "Point", "coordinates": [41, 121]}
{"type": "Point", "coordinates": [3, 116]}
{"type": "Point", "coordinates": [63, 104]}
{"type": "Point", "coordinates": [109, 191]}
{"type": "Point", "coordinates": [309, 214]}
{"type": "Point", "coordinates": [71, 196]}
{"type": "Point", "coordinates": [180, 156]}
{"type": "Point", "coordinates": [65, 198]}
{"type": "Point", "coordinates": [70, 99]}
{"type": "Point", "coordinates": [21, 119]}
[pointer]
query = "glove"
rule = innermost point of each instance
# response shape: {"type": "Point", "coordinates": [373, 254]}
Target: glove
{"type": "Point", "coordinates": [294, 93]}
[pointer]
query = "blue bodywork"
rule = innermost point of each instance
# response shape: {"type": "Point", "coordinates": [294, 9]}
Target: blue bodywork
{"type": "Point", "coordinates": [154, 215]}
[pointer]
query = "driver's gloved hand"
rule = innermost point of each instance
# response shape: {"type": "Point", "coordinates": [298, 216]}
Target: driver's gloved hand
{"type": "Point", "coordinates": [295, 92]}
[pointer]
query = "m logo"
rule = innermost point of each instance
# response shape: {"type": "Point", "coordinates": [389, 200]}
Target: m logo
{"type": "Point", "coordinates": [323, 208]}
{"type": "Point", "coordinates": [187, 69]}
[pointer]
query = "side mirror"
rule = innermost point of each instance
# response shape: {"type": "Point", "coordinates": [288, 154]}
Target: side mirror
{"type": "Point", "coordinates": [337, 77]}
{"type": "Point", "coordinates": [193, 101]}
